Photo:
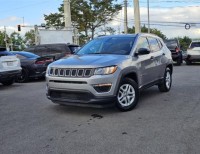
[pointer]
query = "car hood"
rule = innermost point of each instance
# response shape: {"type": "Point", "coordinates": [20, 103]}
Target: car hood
{"type": "Point", "coordinates": [89, 61]}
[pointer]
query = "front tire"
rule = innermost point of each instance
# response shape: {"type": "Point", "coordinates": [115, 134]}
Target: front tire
{"type": "Point", "coordinates": [127, 95]}
{"type": "Point", "coordinates": [166, 82]}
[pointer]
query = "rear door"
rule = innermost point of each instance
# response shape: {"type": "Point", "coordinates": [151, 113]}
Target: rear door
{"type": "Point", "coordinates": [145, 63]}
{"type": "Point", "coordinates": [157, 56]}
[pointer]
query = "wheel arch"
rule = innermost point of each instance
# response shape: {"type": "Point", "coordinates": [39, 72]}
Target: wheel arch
{"type": "Point", "coordinates": [126, 74]}
{"type": "Point", "coordinates": [170, 66]}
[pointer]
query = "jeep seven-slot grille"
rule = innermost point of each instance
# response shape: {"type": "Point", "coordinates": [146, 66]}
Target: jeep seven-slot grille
{"type": "Point", "coordinates": [71, 72]}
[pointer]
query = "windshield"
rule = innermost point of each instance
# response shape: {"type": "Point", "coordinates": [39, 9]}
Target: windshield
{"type": "Point", "coordinates": [108, 45]}
{"type": "Point", "coordinates": [195, 44]}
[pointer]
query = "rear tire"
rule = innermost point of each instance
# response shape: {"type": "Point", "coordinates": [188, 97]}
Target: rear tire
{"type": "Point", "coordinates": [23, 76]}
{"type": "Point", "coordinates": [179, 61]}
{"type": "Point", "coordinates": [127, 95]}
{"type": "Point", "coordinates": [8, 82]}
{"type": "Point", "coordinates": [188, 62]}
{"type": "Point", "coordinates": [166, 82]}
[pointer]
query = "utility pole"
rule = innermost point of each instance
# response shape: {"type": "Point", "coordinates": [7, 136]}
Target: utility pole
{"type": "Point", "coordinates": [125, 17]}
{"type": "Point", "coordinates": [137, 16]}
{"type": "Point", "coordinates": [148, 16]}
{"type": "Point", "coordinates": [67, 13]}
{"type": "Point", "coordinates": [6, 39]}
{"type": "Point", "coordinates": [36, 35]}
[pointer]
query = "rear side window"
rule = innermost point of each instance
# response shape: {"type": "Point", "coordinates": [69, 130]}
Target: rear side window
{"type": "Point", "coordinates": [153, 44]}
{"type": "Point", "coordinates": [160, 44]}
{"type": "Point", "coordinates": [41, 50]}
{"type": "Point", "coordinates": [57, 48]}
{"type": "Point", "coordinates": [30, 49]}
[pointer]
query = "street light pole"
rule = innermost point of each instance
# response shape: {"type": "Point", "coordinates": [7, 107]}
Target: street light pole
{"type": "Point", "coordinates": [6, 39]}
{"type": "Point", "coordinates": [125, 17]}
{"type": "Point", "coordinates": [148, 16]}
{"type": "Point", "coordinates": [67, 13]}
{"type": "Point", "coordinates": [137, 16]}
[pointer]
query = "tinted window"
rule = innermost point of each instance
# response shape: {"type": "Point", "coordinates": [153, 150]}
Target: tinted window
{"type": "Point", "coordinates": [171, 43]}
{"type": "Point", "coordinates": [153, 44]}
{"type": "Point", "coordinates": [30, 49]}
{"type": "Point", "coordinates": [5, 53]}
{"type": "Point", "coordinates": [143, 43]}
{"type": "Point", "coordinates": [108, 45]}
{"type": "Point", "coordinates": [195, 44]}
{"type": "Point", "coordinates": [41, 50]}
{"type": "Point", "coordinates": [57, 48]}
{"type": "Point", "coordinates": [2, 49]}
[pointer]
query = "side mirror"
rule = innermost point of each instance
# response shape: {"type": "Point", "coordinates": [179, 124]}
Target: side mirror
{"type": "Point", "coordinates": [143, 51]}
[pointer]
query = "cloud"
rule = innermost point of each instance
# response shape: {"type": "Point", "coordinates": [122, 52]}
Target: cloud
{"type": "Point", "coordinates": [164, 15]}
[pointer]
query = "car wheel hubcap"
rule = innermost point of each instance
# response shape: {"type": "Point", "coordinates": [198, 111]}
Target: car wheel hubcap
{"type": "Point", "coordinates": [126, 95]}
{"type": "Point", "coordinates": [168, 80]}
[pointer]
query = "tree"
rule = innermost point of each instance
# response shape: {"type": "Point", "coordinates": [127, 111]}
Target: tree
{"type": "Point", "coordinates": [17, 41]}
{"type": "Point", "coordinates": [2, 39]}
{"type": "Point", "coordinates": [87, 15]}
{"type": "Point", "coordinates": [30, 38]}
{"type": "Point", "coordinates": [145, 30]}
{"type": "Point", "coordinates": [184, 42]}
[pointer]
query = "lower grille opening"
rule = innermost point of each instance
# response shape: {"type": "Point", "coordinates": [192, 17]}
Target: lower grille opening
{"type": "Point", "coordinates": [85, 96]}
{"type": "Point", "coordinates": [73, 82]}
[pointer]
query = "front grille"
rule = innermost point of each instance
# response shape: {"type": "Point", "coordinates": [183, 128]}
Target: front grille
{"type": "Point", "coordinates": [71, 72]}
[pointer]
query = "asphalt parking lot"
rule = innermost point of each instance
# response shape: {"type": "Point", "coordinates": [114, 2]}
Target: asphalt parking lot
{"type": "Point", "coordinates": [161, 123]}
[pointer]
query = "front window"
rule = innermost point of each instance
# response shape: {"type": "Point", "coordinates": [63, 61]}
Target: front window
{"type": "Point", "coordinates": [108, 45]}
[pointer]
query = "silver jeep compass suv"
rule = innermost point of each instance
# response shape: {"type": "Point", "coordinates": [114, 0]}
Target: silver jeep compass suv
{"type": "Point", "coordinates": [111, 70]}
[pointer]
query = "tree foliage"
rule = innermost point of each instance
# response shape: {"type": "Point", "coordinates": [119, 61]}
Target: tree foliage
{"type": "Point", "coordinates": [144, 29]}
{"type": "Point", "coordinates": [87, 15]}
{"type": "Point", "coordinates": [184, 42]}
{"type": "Point", "coordinates": [30, 38]}
{"type": "Point", "coordinates": [2, 41]}
{"type": "Point", "coordinates": [17, 41]}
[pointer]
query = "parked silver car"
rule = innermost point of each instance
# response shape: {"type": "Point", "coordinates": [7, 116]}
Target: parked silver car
{"type": "Point", "coordinates": [10, 67]}
{"type": "Point", "coordinates": [193, 53]}
{"type": "Point", "coordinates": [111, 70]}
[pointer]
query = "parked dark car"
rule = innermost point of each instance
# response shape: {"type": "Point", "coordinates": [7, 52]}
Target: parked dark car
{"type": "Point", "coordinates": [56, 50]}
{"type": "Point", "coordinates": [174, 46]}
{"type": "Point", "coordinates": [33, 66]}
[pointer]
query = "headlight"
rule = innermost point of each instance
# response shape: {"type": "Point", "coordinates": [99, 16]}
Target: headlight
{"type": "Point", "coordinates": [47, 70]}
{"type": "Point", "coordinates": [105, 70]}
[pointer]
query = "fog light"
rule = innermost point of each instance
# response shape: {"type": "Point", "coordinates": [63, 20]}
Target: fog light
{"type": "Point", "coordinates": [100, 88]}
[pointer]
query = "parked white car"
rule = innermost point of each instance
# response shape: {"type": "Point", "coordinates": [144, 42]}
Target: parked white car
{"type": "Point", "coordinates": [9, 67]}
{"type": "Point", "coordinates": [193, 53]}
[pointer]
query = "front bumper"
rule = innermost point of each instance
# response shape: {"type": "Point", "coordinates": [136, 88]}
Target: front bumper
{"type": "Point", "coordinates": [194, 58]}
{"type": "Point", "coordinates": [79, 98]}
{"type": "Point", "coordinates": [82, 91]}
{"type": "Point", "coordinates": [8, 75]}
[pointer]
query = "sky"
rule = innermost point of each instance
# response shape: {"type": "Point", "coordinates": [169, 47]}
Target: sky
{"type": "Point", "coordinates": [169, 16]}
